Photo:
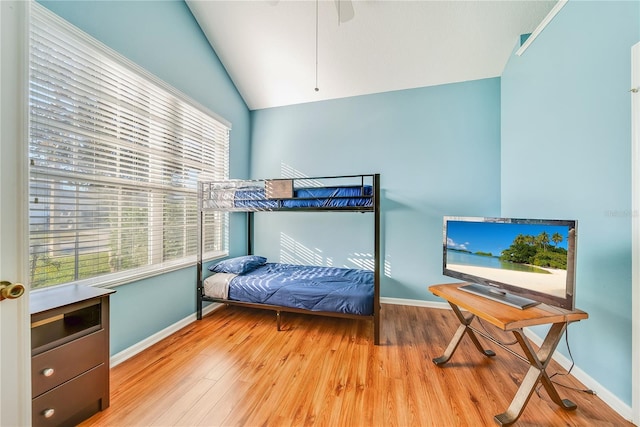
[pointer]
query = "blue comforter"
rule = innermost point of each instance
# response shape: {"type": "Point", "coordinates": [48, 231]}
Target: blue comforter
{"type": "Point", "coordinates": [307, 197]}
{"type": "Point", "coordinates": [314, 288]}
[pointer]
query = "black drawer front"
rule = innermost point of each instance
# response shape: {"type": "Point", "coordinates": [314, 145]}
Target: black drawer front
{"type": "Point", "coordinates": [73, 401]}
{"type": "Point", "coordinates": [67, 361]}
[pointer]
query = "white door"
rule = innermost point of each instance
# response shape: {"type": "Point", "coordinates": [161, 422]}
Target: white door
{"type": "Point", "coordinates": [15, 371]}
{"type": "Point", "coordinates": [635, 221]}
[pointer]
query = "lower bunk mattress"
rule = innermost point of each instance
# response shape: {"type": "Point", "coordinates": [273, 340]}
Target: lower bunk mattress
{"type": "Point", "coordinates": [332, 289]}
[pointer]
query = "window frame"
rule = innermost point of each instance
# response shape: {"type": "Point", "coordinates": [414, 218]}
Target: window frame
{"type": "Point", "coordinates": [155, 264]}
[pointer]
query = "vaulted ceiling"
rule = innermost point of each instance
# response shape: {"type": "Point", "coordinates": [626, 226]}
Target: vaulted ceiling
{"type": "Point", "coordinates": [276, 55]}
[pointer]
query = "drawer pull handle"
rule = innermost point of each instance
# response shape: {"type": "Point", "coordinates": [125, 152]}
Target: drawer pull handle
{"type": "Point", "coordinates": [48, 372]}
{"type": "Point", "coordinates": [48, 413]}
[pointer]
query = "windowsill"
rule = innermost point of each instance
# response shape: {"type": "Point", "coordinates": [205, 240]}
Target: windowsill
{"type": "Point", "coordinates": [124, 278]}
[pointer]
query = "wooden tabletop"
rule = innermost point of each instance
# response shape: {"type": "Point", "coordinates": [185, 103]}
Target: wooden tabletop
{"type": "Point", "coordinates": [501, 315]}
{"type": "Point", "coordinates": [48, 298]}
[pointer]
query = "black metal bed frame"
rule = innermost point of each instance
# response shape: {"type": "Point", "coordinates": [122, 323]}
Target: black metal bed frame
{"type": "Point", "coordinates": [278, 195]}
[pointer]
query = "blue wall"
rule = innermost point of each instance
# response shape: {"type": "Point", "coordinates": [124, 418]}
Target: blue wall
{"type": "Point", "coordinates": [566, 149]}
{"type": "Point", "coordinates": [437, 150]}
{"type": "Point", "coordinates": [164, 38]}
{"type": "Point", "coordinates": [551, 138]}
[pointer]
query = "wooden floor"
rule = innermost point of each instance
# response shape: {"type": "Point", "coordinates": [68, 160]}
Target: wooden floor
{"type": "Point", "coordinates": [233, 368]}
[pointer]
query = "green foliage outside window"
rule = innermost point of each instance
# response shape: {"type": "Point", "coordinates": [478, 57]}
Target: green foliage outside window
{"type": "Point", "coordinates": [48, 271]}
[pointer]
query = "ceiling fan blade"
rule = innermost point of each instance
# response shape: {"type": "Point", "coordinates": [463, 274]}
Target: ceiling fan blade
{"type": "Point", "coordinates": [345, 10]}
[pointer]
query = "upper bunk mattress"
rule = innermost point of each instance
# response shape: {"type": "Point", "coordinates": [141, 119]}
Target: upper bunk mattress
{"type": "Point", "coordinates": [312, 197]}
{"type": "Point", "coordinates": [313, 288]}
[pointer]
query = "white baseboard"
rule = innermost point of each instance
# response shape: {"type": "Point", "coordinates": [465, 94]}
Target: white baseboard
{"type": "Point", "coordinates": [414, 302]}
{"type": "Point", "coordinates": [127, 353]}
{"type": "Point", "coordinates": [607, 397]}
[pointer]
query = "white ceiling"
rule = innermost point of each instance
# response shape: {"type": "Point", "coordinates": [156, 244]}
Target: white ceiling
{"type": "Point", "coordinates": [269, 46]}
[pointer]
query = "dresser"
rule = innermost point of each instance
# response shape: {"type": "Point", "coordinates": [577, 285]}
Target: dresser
{"type": "Point", "coordinates": [69, 354]}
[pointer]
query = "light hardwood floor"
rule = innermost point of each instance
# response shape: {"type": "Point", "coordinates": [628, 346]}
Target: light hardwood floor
{"type": "Point", "coordinates": [233, 368]}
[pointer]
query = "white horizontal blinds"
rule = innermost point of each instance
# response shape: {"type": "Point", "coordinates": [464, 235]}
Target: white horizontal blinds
{"type": "Point", "coordinates": [115, 160]}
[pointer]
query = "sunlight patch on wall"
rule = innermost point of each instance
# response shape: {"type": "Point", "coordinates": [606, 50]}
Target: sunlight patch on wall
{"type": "Point", "coordinates": [387, 266]}
{"type": "Point", "coordinates": [363, 261]}
{"type": "Point", "coordinates": [293, 252]}
{"type": "Point", "coordinates": [287, 171]}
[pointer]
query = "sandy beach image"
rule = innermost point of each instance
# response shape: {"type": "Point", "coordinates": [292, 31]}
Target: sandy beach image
{"type": "Point", "coordinates": [553, 283]}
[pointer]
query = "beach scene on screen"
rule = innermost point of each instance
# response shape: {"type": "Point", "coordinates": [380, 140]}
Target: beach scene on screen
{"type": "Point", "coordinates": [531, 256]}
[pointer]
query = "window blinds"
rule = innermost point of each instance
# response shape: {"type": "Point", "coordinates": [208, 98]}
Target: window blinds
{"type": "Point", "coordinates": [115, 157]}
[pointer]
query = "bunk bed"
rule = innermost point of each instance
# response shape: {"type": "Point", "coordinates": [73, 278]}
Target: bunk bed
{"type": "Point", "coordinates": [251, 281]}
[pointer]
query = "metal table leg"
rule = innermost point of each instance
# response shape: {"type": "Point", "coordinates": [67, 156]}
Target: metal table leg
{"type": "Point", "coordinates": [537, 373]}
{"type": "Point", "coordinates": [457, 337]}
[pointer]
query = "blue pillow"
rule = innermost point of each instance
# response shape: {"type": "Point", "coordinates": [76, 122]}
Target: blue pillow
{"type": "Point", "coordinates": [239, 265]}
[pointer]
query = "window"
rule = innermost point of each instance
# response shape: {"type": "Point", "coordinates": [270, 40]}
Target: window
{"type": "Point", "coordinates": [115, 157]}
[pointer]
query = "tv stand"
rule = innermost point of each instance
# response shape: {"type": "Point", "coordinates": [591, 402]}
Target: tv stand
{"type": "Point", "coordinates": [513, 320]}
{"type": "Point", "coordinates": [499, 295]}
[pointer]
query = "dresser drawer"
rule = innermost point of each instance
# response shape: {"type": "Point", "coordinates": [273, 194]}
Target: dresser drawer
{"type": "Point", "coordinates": [56, 366]}
{"type": "Point", "coordinates": [73, 401]}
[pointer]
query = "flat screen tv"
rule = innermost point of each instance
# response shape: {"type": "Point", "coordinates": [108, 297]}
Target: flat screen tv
{"type": "Point", "coordinates": [520, 262]}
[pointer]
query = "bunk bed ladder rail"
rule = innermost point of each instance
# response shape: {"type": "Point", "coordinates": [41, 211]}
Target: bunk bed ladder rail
{"type": "Point", "coordinates": [377, 260]}
{"type": "Point", "coordinates": [200, 251]}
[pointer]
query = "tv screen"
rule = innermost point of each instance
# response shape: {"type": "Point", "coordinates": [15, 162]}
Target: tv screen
{"type": "Point", "coordinates": [520, 262]}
